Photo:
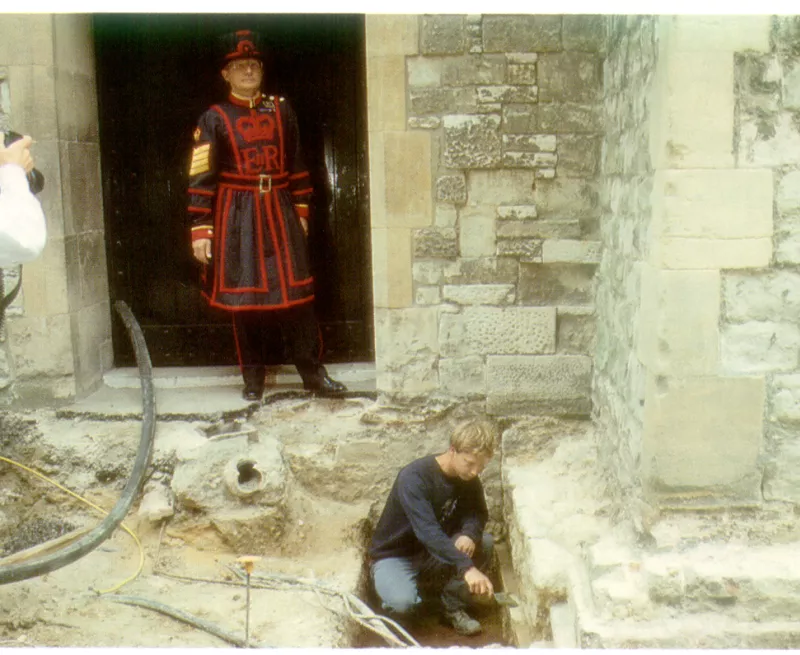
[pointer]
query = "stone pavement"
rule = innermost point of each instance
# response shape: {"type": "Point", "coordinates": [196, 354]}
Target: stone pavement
{"type": "Point", "coordinates": [204, 392]}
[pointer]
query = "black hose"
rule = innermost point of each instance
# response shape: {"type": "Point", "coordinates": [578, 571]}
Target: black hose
{"type": "Point", "coordinates": [180, 615]}
{"type": "Point", "coordinates": [90, 541]}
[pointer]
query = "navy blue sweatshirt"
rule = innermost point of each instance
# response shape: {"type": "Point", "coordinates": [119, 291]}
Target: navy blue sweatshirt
{"type": "Point", "coordinates": [425, 509]}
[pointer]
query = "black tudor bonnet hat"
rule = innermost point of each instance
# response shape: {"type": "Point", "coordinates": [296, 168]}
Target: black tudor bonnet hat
{"type": "Point", "coordinates": [242, 44]}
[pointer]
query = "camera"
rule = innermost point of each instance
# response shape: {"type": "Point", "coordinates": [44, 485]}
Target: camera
{"type": "Point", "coordinates": [35, 177]}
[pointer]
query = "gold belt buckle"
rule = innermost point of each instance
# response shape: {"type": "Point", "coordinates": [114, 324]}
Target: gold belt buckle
{"type": "Point", "coordinates": [261, 179]}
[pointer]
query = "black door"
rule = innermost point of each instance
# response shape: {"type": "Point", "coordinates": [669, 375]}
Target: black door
{"type": "Point", "coordinates": [155, 75]}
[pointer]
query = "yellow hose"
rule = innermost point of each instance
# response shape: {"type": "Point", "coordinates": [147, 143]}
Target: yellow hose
{"type": "Point", "coordinates": [95, 507]}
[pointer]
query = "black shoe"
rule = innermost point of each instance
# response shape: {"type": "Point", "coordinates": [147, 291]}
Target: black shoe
{"type": "Point", "coordinates": [252, 394]}
{"type": "Point", "coordinates": [324, 385]}
{"type": "Point", "coordinates": [463, 623]}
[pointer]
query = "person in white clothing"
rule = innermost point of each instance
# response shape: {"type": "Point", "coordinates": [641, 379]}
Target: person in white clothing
{"type": "Point", "coordinates": [22, 224]}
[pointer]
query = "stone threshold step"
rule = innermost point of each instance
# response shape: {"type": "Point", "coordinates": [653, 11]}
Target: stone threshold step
{"type": "Point", "coordinates": [183, 377]}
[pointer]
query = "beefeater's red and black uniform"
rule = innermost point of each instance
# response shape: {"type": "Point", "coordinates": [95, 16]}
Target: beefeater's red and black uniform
{"type": "Point", "coordinates": [248, 188]}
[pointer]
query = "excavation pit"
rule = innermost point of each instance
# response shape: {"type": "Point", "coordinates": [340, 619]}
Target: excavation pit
{"type": "Point", "coordinates": [303, 496]}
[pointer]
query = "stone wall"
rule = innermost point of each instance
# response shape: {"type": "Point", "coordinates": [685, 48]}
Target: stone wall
{"type": "Point", "coordinates": [61, 334]}
{"type": "Point", "coordinates": [627, 175]}
{"type": "Point", "coordinates": [485, 135]}
{"type": "Point", "coordinates": [761, 307]}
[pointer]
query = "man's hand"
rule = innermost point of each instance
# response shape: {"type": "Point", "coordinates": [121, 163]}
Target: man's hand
{"type": "Point", "coordinates": [478, 583]}
{"type": "Point", "coordinates": [202, 250]}
{"type": "Point", "coordinates": [465, 545]}
{"type": "Point", "coordinates": [18, 153]}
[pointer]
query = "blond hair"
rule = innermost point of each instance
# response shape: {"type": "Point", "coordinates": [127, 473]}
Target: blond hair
{"type": "Point", "coordinates": [475, 436]}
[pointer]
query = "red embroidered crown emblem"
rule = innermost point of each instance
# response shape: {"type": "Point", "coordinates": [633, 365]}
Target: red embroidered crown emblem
{"type": "Point", "coordinates": [245, 48]}
{"type": "Point", "coordinates": [256, 128]}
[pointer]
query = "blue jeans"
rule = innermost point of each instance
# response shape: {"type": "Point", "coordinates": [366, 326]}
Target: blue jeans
{"type": "Point", "coordinates": [401, 582]}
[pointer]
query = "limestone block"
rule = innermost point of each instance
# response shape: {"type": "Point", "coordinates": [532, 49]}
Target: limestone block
{"type": "Point", "coordinates": [787, 31]}
{"type": "Point", "coordinates": [377, 179]}
{"type": "Point", "coordinates": [758, 80]}
{"type": "Point", "coordinates": [576, 331]}
{"type": "Point", "coordinates": [471, 141]}
{"type": "Point", "coordinates": [26, 39]}
{"type": "Point", "coordinates": [769, 296]}
{"type": "Point", "coordinates": [699, 109]}
{"type": "Point", "coordinates": [432, 272]}
{"type": "Point", "coordinates": [47, 286]}
{"type": "Point", "coordinates": [568, 117]}
{"type": "Point", "coordinates": [476, 231]}
{"type": "Point", "coordinates": [554, 384]}
{"type": "Point", "coordinates": [570, 251]}
{"type": "Point", "coordinates": [42, 345]}
{"type": "Point", "coordinates": [782, 475]}
{"type": "Point", "coordinates": [769, 141]}
{"type": "Point", "coordinates": [431, 101]}
{"type": "Point", "coordinates": [578, 155]}
{"type": "Point", "coordinates": [424, 71]}
{"type": "Point", "coordinates": [406, 350]}
{"type": "Point", "coordinates": [472, 70]}
{"type": "Point", "coordinates": [73, 43]}
{"type": "Point", "coordinates": [521, 70]}
{"type": "Point", "coordinates": [785, 398]}
{"type": "Point", "coordinates": [428, 296]}
{"type": "Point", "coordinates": [424, 123]}
{"type": "Point", "coordinates": [519, 119]}
{"type": "Point", "coordinates": [556, 284]}
{"type": "Point", "coordinates": [791, 85]}
{"type": "Point", "coordinates": [435, 243]}
{"type": "Point", "coordinates": [679, 321]}
{"type": "Point", "coordinates": [409, 200]}
{"type": "Point", "coordinates": [535, 160]}
{"type": "Point", "coordinates": [445, 216]}
{"type": "Point", "coordinates": [703, 434]}
{"type": "Point", "coordinates": [566, 197]}
{"type": "Point", "coordinates": [787, 198]}
{"type": "Point", "coordinates": [33, 95]}
{"type": "Point", "coordinates": [530, 142]}
{"type": "Point", "coordinates": [479, 294]}
{"type": "Point", "coordinates": [442, 35]}
{"type": "Point", "coordinates": [722, 204]}
{"type": "Point", "coordinates": [539, 229]}
{"type": "Point", "coordinates": [526, 250]}
{"type": "Point", "coordinates": [521, 33]}
{"type": "Point", "coordinates": [715, 253]}
{"type": "Point", "coordinates": [93, 270]}
{"type": "Point", "coordinates": [498, 331]}
{"type": "Point", "coordinates": [516, 212]}
{"type": "Point", "coordinates": [500, 188]}
{"type": "Point", "coordinates": [91, 329]}
{"type": "Point", "coordinates": [570, 77]}
{"type": "Point", "coordinates": [388, 34]}
{"type": "Point", "coordinates": [481, 270]}
{"type": "Point", "coordinates": [787, 245]}
{"type": "Point", "coordinates": [386, 93]}
{"type": "Point", "coordinates": [760, 347]}
{"type": "Point", "coordinates": [391, 267]}
{"type": "Point", "coordinates": [156, 504]}
{"type": "Point", "coordinates": [507, 93]}
{"type": "Point", "coordinates": [463, 376]}
{"type": "Point", "coordinates": [76, 99]}
{"type": "Point", "coordinates": [585, 32]}
{"type": "Point", "coordinates": [720, 33]}
{"type": "Point", "coordinates": [451, 188]}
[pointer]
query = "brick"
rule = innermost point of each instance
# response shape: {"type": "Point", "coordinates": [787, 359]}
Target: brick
{"type": "Point", "coordinates": [501, 331]}
{"type": "Point", "coordinates": [557, 384]}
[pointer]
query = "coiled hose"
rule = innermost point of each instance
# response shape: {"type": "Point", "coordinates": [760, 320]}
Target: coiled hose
{"type": "Point", "coordinates": [74, 551]}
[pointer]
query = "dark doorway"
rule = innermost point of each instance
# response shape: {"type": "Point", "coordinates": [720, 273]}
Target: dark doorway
{"type": "Point", "coordinates": [156, 74]}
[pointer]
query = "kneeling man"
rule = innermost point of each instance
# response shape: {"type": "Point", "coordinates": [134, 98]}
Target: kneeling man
{"type": "Point", "coordinates": [431, 531]}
